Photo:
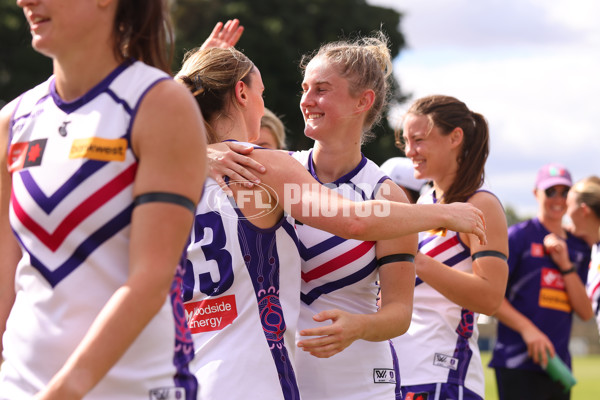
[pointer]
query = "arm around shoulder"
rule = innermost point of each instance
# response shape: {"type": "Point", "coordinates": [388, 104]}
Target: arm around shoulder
{"type": "Point", "coordinates": [314, 204]}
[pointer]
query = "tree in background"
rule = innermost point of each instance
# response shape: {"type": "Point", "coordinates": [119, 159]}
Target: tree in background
{"type": "Point", "coordinates": [278, 33]}
{"type": "Point", "coordinates": [512, 217]}
{"type": "Point", "coordinates": [21, 67]}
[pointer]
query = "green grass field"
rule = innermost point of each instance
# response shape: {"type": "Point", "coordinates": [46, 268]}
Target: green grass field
{"type": "Point", "coordinates": [585, 368]}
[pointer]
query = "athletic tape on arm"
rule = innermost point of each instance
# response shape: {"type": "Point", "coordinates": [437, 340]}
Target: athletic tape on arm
{"type": "Point", "coordinates": [165, 197]}
{"type": "Point", "coordinates": [395, 258]}
{"type": "Point", "coordinates": [489, 253]}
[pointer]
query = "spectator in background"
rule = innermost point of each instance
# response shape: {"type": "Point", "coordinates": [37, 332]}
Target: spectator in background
{"type": "Point", "coordinates": [401, 171]}
{"type": "Point", "coordinates": [272, 132]}
{"type": "Point", "coordinates": [547, 271]}
{"type": "Point", "coordinates": [583, 208]}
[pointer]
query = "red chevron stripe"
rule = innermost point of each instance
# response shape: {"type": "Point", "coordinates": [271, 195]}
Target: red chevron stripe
{"type": "Point", "coordinates": [85, 209]}
{"type": "Point", "coordinates": [443, 246]}
{"type": "Point", "coordinates": [594, 290]}
{"type": "Point", "coordinates": [338, 262]}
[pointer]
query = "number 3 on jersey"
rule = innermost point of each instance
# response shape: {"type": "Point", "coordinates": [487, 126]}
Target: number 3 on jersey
{"type": "Point", "coordinates": [209, 235]}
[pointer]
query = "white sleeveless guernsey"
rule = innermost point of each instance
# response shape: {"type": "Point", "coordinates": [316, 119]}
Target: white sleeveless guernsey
{"type": "Point", "coordinates": [441, 342]}
{"type": "Point", "coordinates": [72, 174]}
{"type": "Point", "coordinates": [593, 282]}
{"type": "Point", "coordinates": [242, 299]}
{"type": "Point", "coordinates": [342, 274]}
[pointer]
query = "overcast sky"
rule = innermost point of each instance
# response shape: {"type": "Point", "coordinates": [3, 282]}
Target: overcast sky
{"type": "Point", "coordinates": [531, 67]}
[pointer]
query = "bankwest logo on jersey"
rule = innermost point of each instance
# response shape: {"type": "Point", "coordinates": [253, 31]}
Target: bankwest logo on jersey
{"type": "Point", "coordinates": [26, 154]}
{"type": "Point", "coordinates": [99, 149]}
{"type": "Point", "coordinates": [552, 291]}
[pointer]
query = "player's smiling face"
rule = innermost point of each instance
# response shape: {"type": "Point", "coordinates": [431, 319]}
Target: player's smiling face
{"type": "Point", "coordinates": [552, 201]}
{"type": "Point", "coordinates": [326, 103]}
{"type": "Point", "coordinates": [428, 149]}
{"type": "Point", "coordinates": [58, 25]}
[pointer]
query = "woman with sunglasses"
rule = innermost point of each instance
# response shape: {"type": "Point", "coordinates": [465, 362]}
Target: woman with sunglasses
{"type": "Point", "coordinates": [547, 271]}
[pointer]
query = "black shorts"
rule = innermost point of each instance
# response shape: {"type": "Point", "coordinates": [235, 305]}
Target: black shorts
{"type": "Point", "coordinates": [520, 384]}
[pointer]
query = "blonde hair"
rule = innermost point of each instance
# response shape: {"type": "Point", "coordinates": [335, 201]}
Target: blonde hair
{"type": "Point", "coordinates": [211, 75]}
{"type": "Point", "coordinates": [587, 191]}
{"type": "Point", "coordinates": [274, 124]}
{"type": "Point", "coordinates": [367, 64]}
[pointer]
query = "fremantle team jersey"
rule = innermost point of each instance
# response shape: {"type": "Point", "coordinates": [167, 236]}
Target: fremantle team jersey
{"type": "Point", "coordinates": [593, 281]}
{"type": "Point", "coordinates": [241, 292]}
{"type": "Point", "coordinates": [537, 290]}
{"type": "Point", "coordinates": [441, 343]}
{"type": "Point", "coordinates": [72, 176]}
{"type": "Point", "coordinates": [342, 274]}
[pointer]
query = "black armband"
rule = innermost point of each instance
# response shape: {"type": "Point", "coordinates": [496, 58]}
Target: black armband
{"type": "Point", "coordinates": [489, 253]}
{"type": "Point", "coordinates": [395, 258]}
{"type": "Point", "coordinates": [164, 197]}
{"type": "Point", "coordinates": [568, 271]}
